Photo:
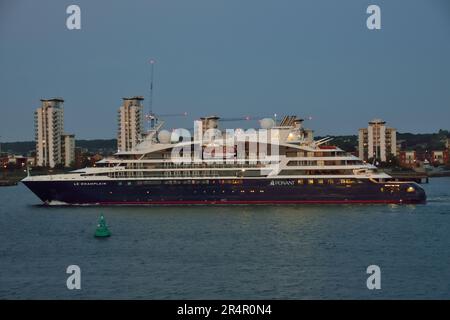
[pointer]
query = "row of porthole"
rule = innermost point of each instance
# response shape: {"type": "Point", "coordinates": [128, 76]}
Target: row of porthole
{"type": "Point", "coordinates": [397, 189]}
{"type": "Point", "coordinates": [232, 191]}
{"type": "Point", "coordinates": [214, 191]}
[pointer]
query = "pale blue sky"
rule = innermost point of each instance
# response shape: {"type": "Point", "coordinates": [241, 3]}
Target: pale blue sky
{"type": "Point", "coordinates": [227, 57]}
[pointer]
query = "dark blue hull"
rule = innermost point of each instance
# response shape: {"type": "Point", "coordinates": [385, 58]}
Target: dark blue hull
{"type": "Point", "coordinates": [251, 191]}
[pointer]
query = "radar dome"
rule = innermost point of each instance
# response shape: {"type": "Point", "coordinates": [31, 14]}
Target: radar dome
{"type": "Point", "coordinates": [175, 136]}
{"type": "Point", "coordinates": [164, 136]}
{"type": "Point", "coordinates": [267, 123]}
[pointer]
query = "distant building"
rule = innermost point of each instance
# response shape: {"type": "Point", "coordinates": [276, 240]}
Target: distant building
{"type": "Point", "coordinates": [31, 161]}
{"type": "Point", "coordinates": [131, 124]}
{"type": "Point", "coordinates": [377, 141]}
{"type": "Point", "coordinates": [49, 126]}
{"type": "Point", "coordinates": [68, 149]}
{"type": "Point", "coordinates": [400, 146]}
{"type": "Point", "coordinates": [408, 159]}
{"type": "Point", "coordinates": [79, 160]}
{"type": "Point", "coordinates": [4, 161]}
{"type": "Point", "coordinates": [439, 157]}
{"type": "Point", "coordinates": [94, 158]}
{"type": "Point", "coordinates": [49, 133]}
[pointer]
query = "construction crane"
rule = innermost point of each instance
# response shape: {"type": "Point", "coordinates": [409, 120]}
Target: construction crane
{"type": "Point", "coordinates": [244, 118]}
{"type": "Point", "coordinates": [151, 117]}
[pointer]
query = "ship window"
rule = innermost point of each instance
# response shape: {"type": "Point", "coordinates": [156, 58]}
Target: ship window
{"type": "Point", "coordinates": [311, 181]}
{"type": "Point", "coordinates": [291, 154]}
{"type": "Point", "coordinates": [152, 182]}
{"type": "Point", "coordinates": [330, 181]}
{"type": "Point", "coordinates": [261, 190]}
{"type": "Point", "coordinates": [300, 181]}
{"type": "Point", "coordinates": [320, 181]}
{"type": "Point", "coordinates": [129, 183]}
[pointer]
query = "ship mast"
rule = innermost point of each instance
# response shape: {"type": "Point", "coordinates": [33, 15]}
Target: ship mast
{"type": "Point", "coordinates": [151, 116]}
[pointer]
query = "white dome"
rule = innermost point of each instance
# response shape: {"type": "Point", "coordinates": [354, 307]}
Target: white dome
{"type": "Point", "coordinates": [267, 123]}
{"type": "Point", "coordinates": [175, 136]}
{"type": "Point", "coordinates": [164, 136]}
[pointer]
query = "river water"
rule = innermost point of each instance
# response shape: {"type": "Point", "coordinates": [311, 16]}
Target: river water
{"type": "Point", "coordinates": [239, 252]}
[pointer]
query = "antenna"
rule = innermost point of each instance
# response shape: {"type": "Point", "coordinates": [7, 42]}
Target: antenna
{"type": "Point", "coordinates": [150, 100]}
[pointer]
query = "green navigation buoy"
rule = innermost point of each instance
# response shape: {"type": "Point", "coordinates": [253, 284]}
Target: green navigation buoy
{"type": "Point", "coordinates": [102, 230]}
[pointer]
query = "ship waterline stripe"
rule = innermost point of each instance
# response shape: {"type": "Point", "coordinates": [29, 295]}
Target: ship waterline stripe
{"type": "Point", "coordinates": [255, 202]}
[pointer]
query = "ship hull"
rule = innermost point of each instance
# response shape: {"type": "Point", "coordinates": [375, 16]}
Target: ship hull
{"type": "Point", "coordinates": [224, 192]}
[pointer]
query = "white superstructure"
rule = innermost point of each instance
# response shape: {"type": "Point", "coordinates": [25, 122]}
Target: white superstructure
{"type": "Point", "coordinates": [287, 151]}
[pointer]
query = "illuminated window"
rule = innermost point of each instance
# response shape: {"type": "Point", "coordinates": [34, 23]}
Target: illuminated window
{"type": "Point", "coordinates": [311, 181]}
{"type": "Point", "coordinates": [320, 181]}
{"type": "Point", "coordinates": [330, 181]}
{"type": "Point", "coordinates": [300, 181]}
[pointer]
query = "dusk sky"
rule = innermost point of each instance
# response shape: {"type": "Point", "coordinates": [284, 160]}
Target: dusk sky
{"type": "Point", "coordinates": [230, 58]}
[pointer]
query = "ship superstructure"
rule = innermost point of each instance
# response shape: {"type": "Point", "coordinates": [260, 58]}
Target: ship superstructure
{"type": "Point", "coordinates": [280, 163]}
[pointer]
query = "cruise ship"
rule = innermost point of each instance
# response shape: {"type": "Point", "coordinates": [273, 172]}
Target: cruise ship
{"type": "Point", "coordinates": [280, 163]}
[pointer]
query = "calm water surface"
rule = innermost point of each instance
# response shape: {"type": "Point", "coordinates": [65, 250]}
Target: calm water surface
{"type": "Point", "coordinates": [241, 252]}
